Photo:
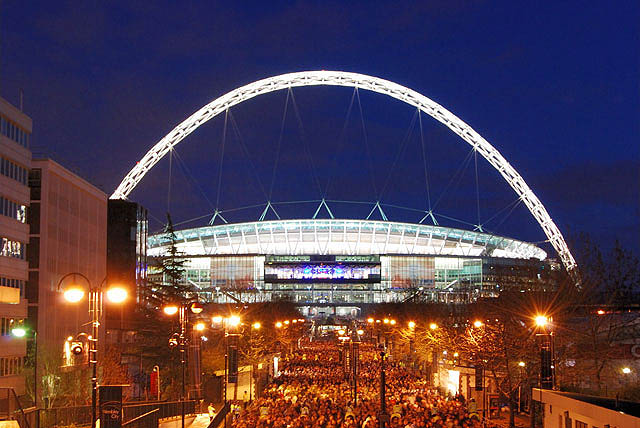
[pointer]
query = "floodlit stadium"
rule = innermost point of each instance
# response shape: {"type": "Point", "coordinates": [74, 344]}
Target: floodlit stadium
{"type": "Point", "coordinates": [339, 265]}
{"type": "Point", "coordinates": [347, 263]}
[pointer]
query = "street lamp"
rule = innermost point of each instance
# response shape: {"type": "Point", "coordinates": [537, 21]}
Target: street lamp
{"type": "Point", "coordinates": [546, 352]}
{"type": "Point", "coordinates": [21, 331]}
{"type": "Point", "coordinates": [74, 293]}
{"type": "Point", "coordinates": [383, 393]}
{"type": "Point", "coordinates": [183, 318]}
{"type": "Point", "coordinates": [412, 328]}
{"type": "Point", "coordinates": [626, 370]}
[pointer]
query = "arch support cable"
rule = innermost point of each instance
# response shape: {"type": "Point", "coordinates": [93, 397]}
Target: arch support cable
{"type": "Point", "coordinates": [381, 86]}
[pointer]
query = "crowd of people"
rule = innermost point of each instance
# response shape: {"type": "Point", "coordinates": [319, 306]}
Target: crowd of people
{"type": "Point", "coordinates": [312, 391]}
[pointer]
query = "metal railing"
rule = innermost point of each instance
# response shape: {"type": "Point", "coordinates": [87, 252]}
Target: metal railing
{"type": "Point", "coordinates": [222, 414]}
{"type": "Point", "coordinates": [81, 415]}
{"type": "Point", "coordinates": [146, 420]}
{"type": "Point", "coordinates": [10, 408]}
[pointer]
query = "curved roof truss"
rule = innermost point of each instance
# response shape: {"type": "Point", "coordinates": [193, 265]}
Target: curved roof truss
{"type": "Point", "coordinates": [361, 81]}
{"type": "Point", "coordinates": [342, 237]}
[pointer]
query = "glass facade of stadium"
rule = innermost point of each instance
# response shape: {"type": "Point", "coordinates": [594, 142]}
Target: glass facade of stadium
{"type": "Point", "coordinates": [338, 266]}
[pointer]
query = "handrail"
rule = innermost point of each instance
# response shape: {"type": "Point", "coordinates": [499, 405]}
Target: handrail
{"type": "Point", "coordinates": [140, 417]}
{"type": "Point", "coordinates": [220, 416]}
{"type": "Point", "coordinates": [11, 412]}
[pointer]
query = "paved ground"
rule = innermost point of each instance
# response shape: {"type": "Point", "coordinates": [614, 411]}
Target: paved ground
{"type": "Point", "coordinates": [522, 421]}
{"type": "Point", "coordinates": [201, 421]}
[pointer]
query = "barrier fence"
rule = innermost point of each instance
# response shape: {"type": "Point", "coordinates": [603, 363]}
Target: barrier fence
{"type": "Point", "coordinates": [81, 415]}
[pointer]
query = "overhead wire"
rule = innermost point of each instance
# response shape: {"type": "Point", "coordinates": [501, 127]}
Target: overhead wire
{"type": "Point", "coordinates": [245, 151]}
{"type": "Point", "coordinates": [403, 145]}
{"type": "Point", "coordinates": [314, 175]}
{"type": "Point", "coordinates": [475, 159]}
{"type": "Point", "coordinates": [224, 140]}
{"type": "Point", "coordinates": [366, 144]}
{"type": "Point", "coordinates": [275, 164]}
{"type": "Point", "coordinates": [341, 139]}
{"type": "Point", "coordinates": [424, 160]}
{"type": "Point", "coordinates": [190, 177]}
{"type": "Point", "coordinates": [456, 176]}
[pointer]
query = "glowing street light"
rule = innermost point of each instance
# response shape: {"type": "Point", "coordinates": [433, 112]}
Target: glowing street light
{"type": "Point", "coordinates": [18, 331]}
{"type": "Point", "coordinates": [278, 324]}
{"type": "Point", "coordinates": [117, 294]}
{"type": "Point", "coordinates": [392, 322]}
{"type": "Point", "coordinates": [626, 370]}
{"type": "Point", "coordinates": [170, 310]}
{"type": "Point", "coordinates": [412, 325]}
{"type": "Point", "coordinates": [477, 324]}
{"type": "Point", "coordinates": [522, 364]}
{"type": "Point", "coordinates": [233, 320]}
{"type": "Point", "coordinates": [217, 319]}
{"type": "Point", "coordinates": [341, 332]}
{"type": "Point", "coordinates": [541, 320]}
{"type": "Point", "coordinates": [386, 320]}
{"type": "Point", "coordinates": [360, 332]}
{"type": "Point", "coordinates": [73, 294]}
{"type": "Point", "coordinates": [199, 326]}
{"type": "Point", "coordinates": [433, 326]}
{"type": "Point", "coordinates": [370, 320]}
{"type": "Point", "coordinates": [256, 325]}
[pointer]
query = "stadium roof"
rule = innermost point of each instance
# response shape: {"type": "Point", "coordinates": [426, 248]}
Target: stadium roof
{"type": "Point", "coordinates": [342, 237]}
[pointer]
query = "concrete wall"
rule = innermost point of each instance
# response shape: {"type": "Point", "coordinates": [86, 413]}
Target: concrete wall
{"type": "Point", "coordinates": [557, 407]}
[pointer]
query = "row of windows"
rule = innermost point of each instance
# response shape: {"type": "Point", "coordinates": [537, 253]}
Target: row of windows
{"type": "Point", "coordinates": [13, 209]}
{"type": "Point", "coordinates": [10, 366]}
{"type": "Point", "coordinates": [11, 282]}
{"type": "Point", "coordinates": [6, 324]}
{"type": "Point", "coordinates": [11, 130]}
{"type": "Point", "coordinates": [12, 248]}
{"type": "Point", "coordinates": [12, 170]}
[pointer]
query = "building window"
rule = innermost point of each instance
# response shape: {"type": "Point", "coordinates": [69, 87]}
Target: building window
{"type": "Point", "coordinates": [12, 283]}
{"type": "Point", "coordinates": [13, 171]}
{"type": "Point", "coordinates": [10, 366]}
{"type": "Point", "coordinates": [14, 132]}
{"type": "Point", "coordinates": [12, 248]}
{"type": "Point", "coordinates": [13, 209]}
{"type": "Point", "coordinates": [6, 324]}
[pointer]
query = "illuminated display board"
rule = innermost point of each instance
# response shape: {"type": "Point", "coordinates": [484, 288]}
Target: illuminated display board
{"type": "Point", "coordinates": [322, 272]}
{"type": "Point", "coordinates": [374, 258]}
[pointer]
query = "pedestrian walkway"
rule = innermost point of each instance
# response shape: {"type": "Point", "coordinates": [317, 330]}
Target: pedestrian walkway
{"type": "Point", "coordinates": [201, 421]}
{"type": "Point", "coordinates": [521, 421]}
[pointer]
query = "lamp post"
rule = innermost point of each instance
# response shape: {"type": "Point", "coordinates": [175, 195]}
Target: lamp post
{"type": "Point", "coordinates": [232, 322]}
{"type": "Point", "coordinates": [522, 365]}
{"type": "Point", "coordinates": [383, 393]}
{"type": "Point", "coordinates": [74, 293]}
{"type": "Point", "coordinates": [21, 331]}
{"type": "Point", "coordinates": [546, 352]}
{"type": "Point", "coordinates": [181, 309]}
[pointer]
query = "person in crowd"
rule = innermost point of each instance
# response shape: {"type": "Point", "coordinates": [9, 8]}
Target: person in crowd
{"type": "Point", "coordinates": [313, 392]}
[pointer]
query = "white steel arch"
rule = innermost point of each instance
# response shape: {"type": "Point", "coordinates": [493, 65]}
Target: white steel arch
{"type": "Point", "coordinates": [360, 81]}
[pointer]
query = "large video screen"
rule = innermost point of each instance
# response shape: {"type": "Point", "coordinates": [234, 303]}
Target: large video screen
{"type": "Point", "coordinates": [322, 271]}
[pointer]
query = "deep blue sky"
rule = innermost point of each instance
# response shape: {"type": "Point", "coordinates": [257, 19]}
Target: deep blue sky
{"type": "Point", "coordinates": [553, 85]}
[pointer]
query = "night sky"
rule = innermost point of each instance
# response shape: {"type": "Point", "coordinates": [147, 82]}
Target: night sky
{"type": "Point", "coordinates": [554, 86]}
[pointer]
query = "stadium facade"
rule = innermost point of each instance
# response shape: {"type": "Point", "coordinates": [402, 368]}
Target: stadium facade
{"type": "Point", "coordinates": [331, 266]}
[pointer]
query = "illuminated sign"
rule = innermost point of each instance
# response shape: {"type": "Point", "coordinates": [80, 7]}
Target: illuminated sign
{"type": "Point", "coordinates": [322, 271]}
